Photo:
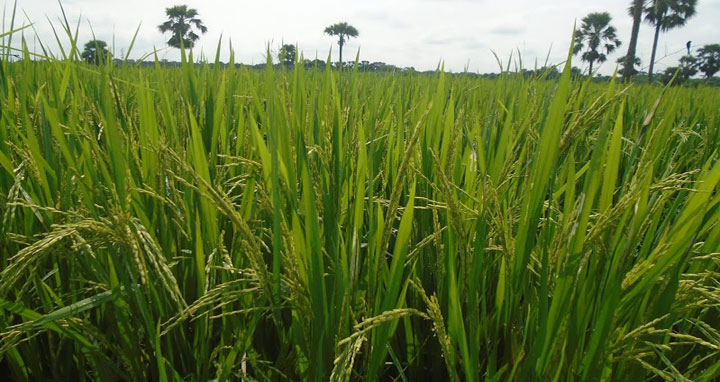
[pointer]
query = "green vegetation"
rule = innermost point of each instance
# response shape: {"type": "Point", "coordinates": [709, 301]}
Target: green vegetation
{"type": "Point", "coordinates": [95, 52]}
{"type": "Point", "coordinates": [631, 69]}
{"type": "Point", "coordinates": [287, 55]}
{"type": "Point", "coordinates": [680, 74]}
{"type": "Point", "coordinates": [213, 223]}
{"type": "Point", "coordinates": [709, 56]}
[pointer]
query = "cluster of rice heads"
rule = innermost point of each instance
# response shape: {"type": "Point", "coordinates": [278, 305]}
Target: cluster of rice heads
{"type": "Point", "coordinates": [208, 222]}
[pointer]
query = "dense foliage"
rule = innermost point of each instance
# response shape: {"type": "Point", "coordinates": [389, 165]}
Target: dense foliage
{"type": "Point", "coordinates": [213, 223]}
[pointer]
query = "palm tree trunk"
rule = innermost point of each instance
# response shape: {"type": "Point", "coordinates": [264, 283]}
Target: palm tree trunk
{"type": "Point", "coordinates": [652, 57]}
{"type": "Point", "coordinates": [341, 61]}
{"type": "Point", "coordinates": [590, 70]}
{"type": "Point", "coordinates": [629, 64]}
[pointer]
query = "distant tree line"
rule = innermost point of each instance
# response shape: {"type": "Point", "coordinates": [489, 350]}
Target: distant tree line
{"type": "Point", "coordinates": [594, 40]}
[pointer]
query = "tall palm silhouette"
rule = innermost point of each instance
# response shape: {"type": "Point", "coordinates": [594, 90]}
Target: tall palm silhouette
{"type": "Point", "coordinates": [180, 23]}
{"type": "Point", "coordinates": [344, 31]}
{"type": "Point", "coordinates": [665, 15]}
{"type": "Point", "coordinates": [597, 37]}
{"type": "Point", "coordinates": [636, 11]}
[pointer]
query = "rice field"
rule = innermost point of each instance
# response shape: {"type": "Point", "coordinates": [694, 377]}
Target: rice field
{"type": "Point", "coordinates": [214, 223]}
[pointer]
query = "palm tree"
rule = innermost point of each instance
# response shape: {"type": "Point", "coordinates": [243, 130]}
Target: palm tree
{"type": "Point", "coordinates": [665, 15]}
{"type": "Point", "coordinates": [635, 10]}
{"type": "Point", "coordinates": [599, 36]}
{"type": "Point", "coordinates": [95, 52]}
{"type": "Point", "coordinates": [344, 31]}
{"type": "Point", "coordinates": [180, 23]}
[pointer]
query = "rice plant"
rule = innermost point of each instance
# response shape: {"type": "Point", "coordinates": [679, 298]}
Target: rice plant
{"type": "Point", "coordinates": [215, 223]}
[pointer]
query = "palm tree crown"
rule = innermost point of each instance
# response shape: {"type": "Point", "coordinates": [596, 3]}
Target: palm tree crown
{"type": "Point", "coordinates": [665, 15]}
{"type": "Point", "coordinates": [180, 23]}
{"type": "Point", "coordinates": [597, 36]}
{"type": "Point", "coordinates": [669, 14]}
{"type": "Point", "coordinates": [344, 31]}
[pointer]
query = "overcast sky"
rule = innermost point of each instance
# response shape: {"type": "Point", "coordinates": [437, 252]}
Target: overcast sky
{"type": "Point", "coordinates": [416, 33]}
